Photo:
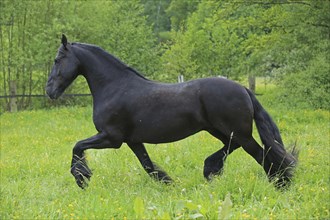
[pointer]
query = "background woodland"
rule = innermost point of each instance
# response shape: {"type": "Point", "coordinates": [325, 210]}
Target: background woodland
{"type": "Point", "coordinates": [285, 42]}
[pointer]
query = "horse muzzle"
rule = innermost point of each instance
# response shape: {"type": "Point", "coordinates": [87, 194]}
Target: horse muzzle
{"type": "Point", "coordinates": [53, 93]}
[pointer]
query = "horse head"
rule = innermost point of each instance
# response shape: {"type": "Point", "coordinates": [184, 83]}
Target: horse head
{"type": "Point", "coordinates": [64, 70]}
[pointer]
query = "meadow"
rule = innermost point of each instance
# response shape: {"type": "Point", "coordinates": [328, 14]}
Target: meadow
{"type": "Point", "coordinates": [36, 148]}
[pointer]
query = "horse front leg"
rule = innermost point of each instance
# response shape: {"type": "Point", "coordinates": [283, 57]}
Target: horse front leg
{"type": "Point", "coordinates": [151, 168]}
{"type": "Point", "coordinates": [79, 168]}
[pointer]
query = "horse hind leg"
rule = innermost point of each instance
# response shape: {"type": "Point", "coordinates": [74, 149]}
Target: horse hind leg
{"type": "Point", "coordinates": [271, 164]}
{"type": "Point", "coordinates": [213, 165]}
{"type": "Point", "coordinates": [150, 167]}
{"type": "Point", "coordinates": [252, 147]}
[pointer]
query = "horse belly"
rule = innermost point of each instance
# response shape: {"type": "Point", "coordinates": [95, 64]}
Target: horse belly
{"type": "Point", "coordinates": [165, 129]}
{"type": "Point", "coordinates": [166, 113]}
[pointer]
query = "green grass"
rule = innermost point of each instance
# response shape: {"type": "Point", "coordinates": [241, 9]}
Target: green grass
{"type": "Point", "coordinates": [36, 149]}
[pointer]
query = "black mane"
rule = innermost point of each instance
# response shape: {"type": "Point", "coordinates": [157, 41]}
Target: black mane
{"type": "Point", "coordinates": [113, 58]}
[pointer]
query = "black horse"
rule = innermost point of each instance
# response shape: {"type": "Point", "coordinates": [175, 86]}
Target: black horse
{"type": "Point", "coordinates": [128, 108]}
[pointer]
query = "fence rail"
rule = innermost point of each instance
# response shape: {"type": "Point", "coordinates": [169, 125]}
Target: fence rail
{"type": "Point", "coordinates": [14, 102]}
{"type": "Point", "coordinates": [42, 96]}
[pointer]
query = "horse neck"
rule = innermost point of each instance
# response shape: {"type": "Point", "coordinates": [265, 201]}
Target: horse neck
{"type": "Point", "coordinates": [100, 69]}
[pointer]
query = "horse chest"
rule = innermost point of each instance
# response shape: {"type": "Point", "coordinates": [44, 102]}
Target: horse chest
{"type": "Point", "coordinates": [106, 119]}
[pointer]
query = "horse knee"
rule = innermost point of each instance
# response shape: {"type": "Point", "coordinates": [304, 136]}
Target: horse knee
{"type": "Point", "coordinates": [78, 150]}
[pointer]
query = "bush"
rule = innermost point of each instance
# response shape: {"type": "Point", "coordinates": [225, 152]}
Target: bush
{"type": "Point", "coordinates": [309, 88]}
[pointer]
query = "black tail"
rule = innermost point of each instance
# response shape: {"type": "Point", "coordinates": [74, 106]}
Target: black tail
{"type": "Point", "coordinates": [278, 163]}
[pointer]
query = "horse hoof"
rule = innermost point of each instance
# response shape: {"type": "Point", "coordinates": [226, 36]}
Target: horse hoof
{"type": "Point", "coordinates": [167, 180]}
{"type": "Point", "coordinates": [161, 176]}
{"type": "Point", "coordinates": [82, 175]}
{"type": "Point", "coordinates": [281, 183]}
{"type": "Point", "coordinates": [81, 183]}
{"type": "Point", "coordinates": [211, 172]}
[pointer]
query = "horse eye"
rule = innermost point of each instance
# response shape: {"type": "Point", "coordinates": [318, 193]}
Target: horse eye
{"type": "Point", "coordinates": [57, 60]}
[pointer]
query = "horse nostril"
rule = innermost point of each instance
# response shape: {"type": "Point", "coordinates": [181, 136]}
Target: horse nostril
{"type": "Point", "coordinates": [49, 80]}
{"type": "Point", "coordinates": [48, 87]}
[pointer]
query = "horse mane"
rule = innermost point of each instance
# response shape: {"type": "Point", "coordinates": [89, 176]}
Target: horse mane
{"type": "Point", "coordinates": [110, 56]}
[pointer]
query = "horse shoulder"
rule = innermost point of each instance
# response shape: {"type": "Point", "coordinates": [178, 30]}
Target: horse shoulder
{"type": "Point", "coordinates": [109, 112]}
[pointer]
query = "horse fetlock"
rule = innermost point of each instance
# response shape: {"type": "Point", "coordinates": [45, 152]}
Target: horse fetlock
{"type": "Point", "coordinates": [81, 173]}
{"type": "Point", "coordinates": [281, 179]}
{"type": "Point", "coordinates": [212, 168]}
{"type": "Point", "coordinates": [161, 176]}
{"type": "Point", "coordinates": [209, 172]}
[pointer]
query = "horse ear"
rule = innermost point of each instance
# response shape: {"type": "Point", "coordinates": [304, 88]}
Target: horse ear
{"type": "Point", "coordinates": [64, 41]}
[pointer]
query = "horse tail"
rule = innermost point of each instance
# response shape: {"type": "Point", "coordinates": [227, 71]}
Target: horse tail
{"type": "Point", "coordinates": [278, 163]}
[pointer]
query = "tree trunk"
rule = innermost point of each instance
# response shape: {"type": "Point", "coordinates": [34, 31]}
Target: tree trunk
{"type": "Point", "coordinates": [13, 99]}
{"type": "Point", "coordinates": [252, 83]}
{"type": "Point", "coordinates": [3, 69]}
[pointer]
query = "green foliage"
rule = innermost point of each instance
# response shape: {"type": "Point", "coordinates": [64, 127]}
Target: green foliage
{"type": "Point", "coordinates": [287, 41]}
{"type": "Point", "coordinates": [309, 88]}
{"type": "Point", "coordinates": [156, 15]}
{"type": "Point", "coordinates": [179, 11]}
{"type": "Point", "coordinates": [139, 207]}
{"type": "Point", "coordinates": [36, 150]}
{"type": "Point", "coordinates": [225, 208]}
{"type": "Point", "coordinates": [237, 39]}
{"type": "Point", "coordinates": [30, 35]}
{"type": "Point", "coordinates": [178, 60]}
{"type": "Point", "coordinates": [125, 35]}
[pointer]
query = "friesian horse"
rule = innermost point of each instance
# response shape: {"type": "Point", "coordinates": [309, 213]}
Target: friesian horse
{"type": "Point", "coordinates": [128, 108]}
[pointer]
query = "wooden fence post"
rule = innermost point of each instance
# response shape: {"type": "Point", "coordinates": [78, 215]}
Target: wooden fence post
{"type": "Point", "coordinates": [180, 79]}
{"type": "Point", "coordinates": [13, 99]}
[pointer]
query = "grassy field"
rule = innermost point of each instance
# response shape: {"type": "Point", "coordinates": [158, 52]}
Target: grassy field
{"type": "Point", "coordinates": [36, 149]}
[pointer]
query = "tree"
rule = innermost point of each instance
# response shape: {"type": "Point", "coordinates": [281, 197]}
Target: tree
{"type": "Point", "coordinates": [30, 33]}
{"type": "Point", "coordinates": [155, 11]}
{"type": "Point", "coordinates": [209, 43]}
{"type": "Point", "coordinates": [283, 40]}
{"type": "Point", "coordinates": [179, 11]}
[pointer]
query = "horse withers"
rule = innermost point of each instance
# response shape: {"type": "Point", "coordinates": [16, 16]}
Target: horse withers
{"type": "Point", "coordinates": [128, 108]}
